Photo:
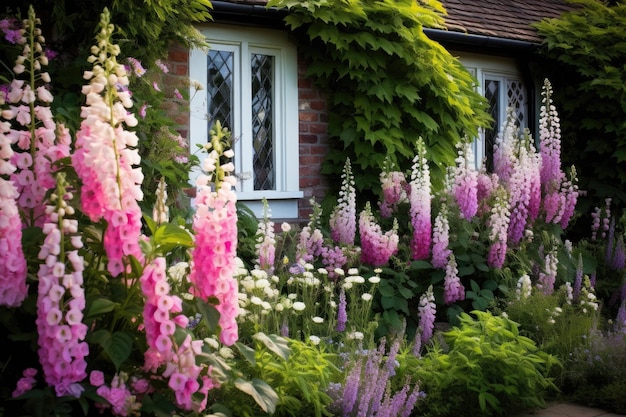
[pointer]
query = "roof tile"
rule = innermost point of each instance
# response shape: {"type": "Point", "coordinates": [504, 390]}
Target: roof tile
{"type": "Point", "coordinates": [508, 19]}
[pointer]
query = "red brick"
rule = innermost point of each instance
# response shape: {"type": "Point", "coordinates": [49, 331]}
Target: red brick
{"type": "Point", "coordinates": [318, 127]}
{"type": "Point", "coordinates": [308, 139]}
{"type": "Point", "coordinates": [318, 104]}
{"type": "Point", "coordinates": [308, 116]}
{"type": "Point", "coordinates": [178, 55]}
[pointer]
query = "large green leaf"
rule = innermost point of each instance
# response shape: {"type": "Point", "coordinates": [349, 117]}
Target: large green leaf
{"type": "Point", "coordinates": [116, 345]}
{"type": "Point", "coordinates": [99, 305]}
{"type": "Point", "coordinates": [263, 394]}
{"type": "Point", "coordinates": [275, 343]}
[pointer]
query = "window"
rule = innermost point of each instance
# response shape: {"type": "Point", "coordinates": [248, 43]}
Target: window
{"type": "Point", "coordinates": [251, 87]}
{"type": "Point", "coordinates": [501, 84]}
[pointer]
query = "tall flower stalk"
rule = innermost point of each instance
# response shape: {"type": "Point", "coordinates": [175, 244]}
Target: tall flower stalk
{"type": "Point", "coordinates": [213, 262]}
{"type": "Point", "coordinates": [343, 217]}
{"type": "Point", "coordinates": [376, 247]}
{"type": "Point", "coordinates": [61, 297]}
{"type": "Point", "coordinates": [106, 158]}
{"type": "Point", "coordinates": [420, 204]}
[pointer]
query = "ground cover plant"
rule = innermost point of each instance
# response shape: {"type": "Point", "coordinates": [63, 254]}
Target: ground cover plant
{"type": "Point", "coordinates": [112, 307]}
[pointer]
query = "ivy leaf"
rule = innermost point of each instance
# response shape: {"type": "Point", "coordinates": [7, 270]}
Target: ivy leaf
{"type": "Point", "coordinates": [263, 394]}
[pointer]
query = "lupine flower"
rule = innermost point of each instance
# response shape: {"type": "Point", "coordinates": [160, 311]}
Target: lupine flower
{"type": "Point", "coordinates": [11, 30]}
{"type": "Point", "coordinates": [427, 312]}
{"type": "Point", "coordinates": [13, 268]}
{"type": "Point", "coordinates": [342, 220]}
{"type": "Point", "coordinates": [342, 316]}
{"type": "Point", "coordinates": [105, 156]}
{"type": "Point", "coordinates": [266, 243]}
{"type": "Point", "coordinates": [453, 288]}
{"type": "Point", "coordinates": [578, 281]}
{"type": "Point", "coordinates": [161, 320]}
{"type": "Point", "coordinates": [498, 224]}
{"type": "Point", "coordinates": [524, 287]}
{"type": "Point", "coordinates": [376, 247]}
{"type": "Point", "coordinates": [420, 204]}
{"type": "Point", "coordinates": [215, 226]}
{"type": "Point", "coordinates": [121, 401]}
{"type": "Point", "coordinates": [25, 383]}
{"type": "Point", "coordinates": [547, 277]}
{"type": "Point", "coordinates": [61, 299]}
{"type": "Point", "coordinates": [394, 189]}
{"type": "Point", "coordinates": [39, 144]}
{"type": "Point", "coordinates": [504, 150]}
{"type": "Point", "coordinates": [441, 239]}
{"type": "Point", "coordinates": [522, 190]}
{"type": "Point", "coordinates": [465, 183]}
{"type": "Point", "coordinates": [311, 239]}
{"type": "Point", "coordinates": [333, 258]}
{"type": "Point", "coordinates": [486, 185]}
{"type": "Point", "coordinates": [160, 212]}
{"type": "Point", "coordinates": [550, 139]}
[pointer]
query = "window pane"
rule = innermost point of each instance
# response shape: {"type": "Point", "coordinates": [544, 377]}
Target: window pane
{"type": "Point", "coordinates": [220, 88]}
{"type": "Point", "coordinates": [492, 92]}
{"type": "Point", "coordinates": [262, 122]}
{"type": "Point", "coordinates": [517, 101]}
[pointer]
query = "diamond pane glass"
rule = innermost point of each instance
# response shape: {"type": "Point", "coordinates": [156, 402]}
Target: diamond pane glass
{"type": "Point", "coordinates": [262, 122]}
{"type": "Point", "coordinates": [220, 88]}
{"type": "Point", "coordinates": [517, 100]}
{"type": "Point", "coordinates": [492, 92]}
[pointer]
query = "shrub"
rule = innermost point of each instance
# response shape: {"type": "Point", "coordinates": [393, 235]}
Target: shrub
{"type": "Point", "coordinates": [484, 369]}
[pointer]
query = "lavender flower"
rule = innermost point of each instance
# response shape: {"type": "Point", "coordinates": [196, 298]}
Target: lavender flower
{"type": "Point", "coordinates": [427, 311]}
{"type": "Point", "coordinates": [342, 316]}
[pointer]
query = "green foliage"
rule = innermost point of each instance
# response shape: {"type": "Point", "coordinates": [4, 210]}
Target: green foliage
{"type": "Point", "coordinates": [588, 46]}
{"type": "Point", "coordinates": [280, 377]}
{"type": "Point", "coordinates": [488, 369]}
{"type": "Point", "coordinates": [387, 83]}
{"type": "Point", "coordinates": [557, 326]}
{"type": "Point", "coordinates": [594, 374]}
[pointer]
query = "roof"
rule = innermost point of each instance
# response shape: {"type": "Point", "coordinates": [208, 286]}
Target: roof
{"type": "Point", "coordinates": [509, 19]}
{"type": "Point", "coordinates": [485, 19]}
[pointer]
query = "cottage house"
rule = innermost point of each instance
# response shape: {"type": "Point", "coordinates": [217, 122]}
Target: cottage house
{"type": "Point", "coordinates": [279, 119]}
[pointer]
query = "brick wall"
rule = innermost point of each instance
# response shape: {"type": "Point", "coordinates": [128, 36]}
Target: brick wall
{"type": "Point", "coordinates": [312, 121]}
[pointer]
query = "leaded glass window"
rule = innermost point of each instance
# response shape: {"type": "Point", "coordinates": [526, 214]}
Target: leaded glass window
{"type": "Point", "coordinates": [262, 122]}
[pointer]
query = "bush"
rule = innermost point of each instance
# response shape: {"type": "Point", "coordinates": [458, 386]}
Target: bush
{"type": "Point", "coordinates": [485, 369]}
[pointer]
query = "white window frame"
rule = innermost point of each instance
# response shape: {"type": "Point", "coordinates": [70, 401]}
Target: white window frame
{"type": "Point", "coordinates": [502, 69]}
{"type": "Point", "coordinates": [245, 41]}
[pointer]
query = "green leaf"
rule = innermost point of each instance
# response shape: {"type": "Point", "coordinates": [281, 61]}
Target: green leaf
{"type": "Point", "coordinates": [277, 344]}
{"type": "Point", "coordinates": [263, 394]}
{"type": "Point", "coordinates": [99, 305]}
{"type": "Point", "coordinates": [210, 315]}
{"type": "Point", "coordinates": [247, 352]}
{"type": "Point", "coordinates": [116, 345]}
{"type": "Point", "coordinates": [168, 236]}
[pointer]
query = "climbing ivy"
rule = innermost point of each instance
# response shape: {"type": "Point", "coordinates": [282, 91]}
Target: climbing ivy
{"type": "Point", "coordinates": [387, 83]}
{"type": "Point", "coordinates": [587, 47]}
